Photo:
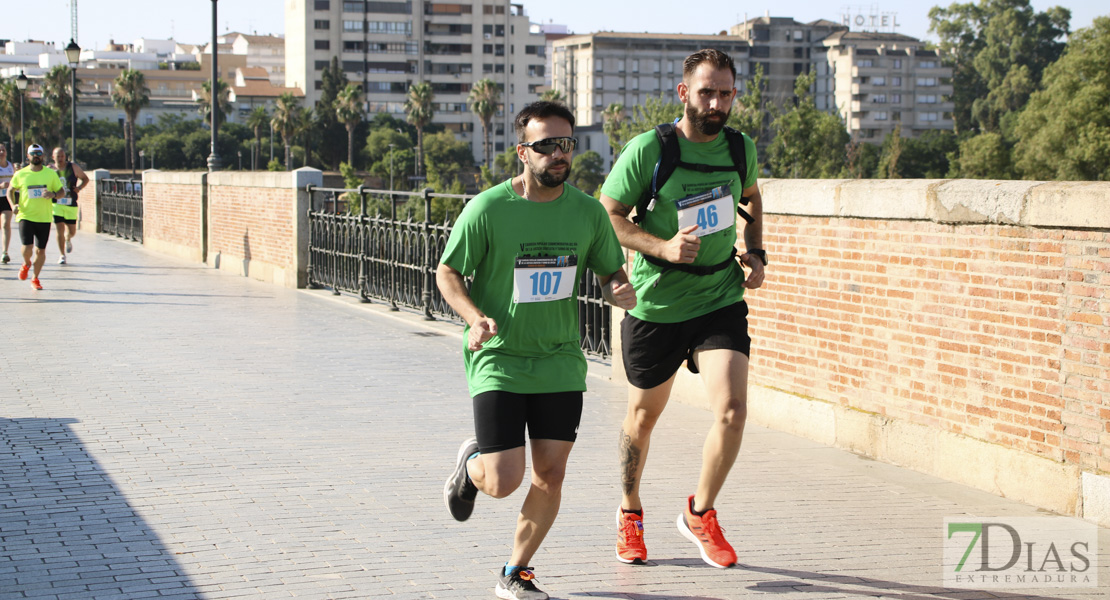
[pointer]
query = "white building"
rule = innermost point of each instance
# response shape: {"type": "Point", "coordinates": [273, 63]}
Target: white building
{"type": "Point", "coordinates": [388, 46]}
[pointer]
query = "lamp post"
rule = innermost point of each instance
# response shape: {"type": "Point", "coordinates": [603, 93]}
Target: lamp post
{"type": "Point", "coordinates": [73, 55]}
{"type": "Point", "coordinates": [391, 170]}
{"type": "Point", "coordinates": [142, 161]}
{"type": "Point", "coordinates": [21, 83]}
{"type": "Point", "coordinates": [240, 153]}
{"type": "Point", "coordinates": [214, 157]}
{"type": "Point", "coordinates": [271, 141]}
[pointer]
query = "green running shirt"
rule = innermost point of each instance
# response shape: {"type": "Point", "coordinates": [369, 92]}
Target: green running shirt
{"type": "Point", "coordinates": [31, 184]}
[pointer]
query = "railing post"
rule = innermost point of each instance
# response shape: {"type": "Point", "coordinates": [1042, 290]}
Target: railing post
{"type": "Point", "coordinates": [429, 267]}
{"type": "Point", "coordinates": [310, 283]}
{"type": "Point", "coordinates": [362, 245]}
{"type": "Point", "coordinates": [394, 243]}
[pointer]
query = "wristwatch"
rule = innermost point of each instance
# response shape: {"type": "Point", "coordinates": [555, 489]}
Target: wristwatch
{"type": "Point", "coordinates": [759, 253]}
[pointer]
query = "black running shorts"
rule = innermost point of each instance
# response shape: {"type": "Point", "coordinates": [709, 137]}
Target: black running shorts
{"type": "Point", "coordinates": [500, 418]}
{"type": "Point", "coordinates": [31, 232]}
{"type": "Point", "coordinates": [653, 352]}
{"type": "Point", "coordinates": [5, 206]}
{"type": "Point", "coordinates": [61, 219]}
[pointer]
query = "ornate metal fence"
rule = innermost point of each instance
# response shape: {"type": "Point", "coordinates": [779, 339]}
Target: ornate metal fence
{"type": "Point", "coordinates": [360, 244]}
{"type": "Point", "coordinates": [121, 207]}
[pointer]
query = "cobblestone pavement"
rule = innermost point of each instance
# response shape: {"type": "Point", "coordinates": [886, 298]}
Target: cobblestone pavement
{"type": "Point", "coordinates": [169, 431]}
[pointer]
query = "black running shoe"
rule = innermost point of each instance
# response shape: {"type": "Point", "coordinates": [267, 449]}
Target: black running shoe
{"type": "Point", "coordinates": [459, 492]}
{"type": "Point", "coordinates": [520, 585]}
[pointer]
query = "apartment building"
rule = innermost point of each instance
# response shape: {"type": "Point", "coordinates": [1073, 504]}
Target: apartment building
{"type": "Point", "coordinates": [387, 46]}
{"type": "Point", "coordinates": [882, 80]}
{"type": "Point", "coordinates": [786, 48]}
{"type": "Point", "coordinates": [262, 51]}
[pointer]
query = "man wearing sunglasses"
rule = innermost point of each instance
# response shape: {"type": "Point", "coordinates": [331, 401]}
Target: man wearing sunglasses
{"type": "Point", "coordinates": [691, 297]}
{"type": "Point", "coordinates": [527, 242]}
{"type": "Point", "coordinates": [35, 189]}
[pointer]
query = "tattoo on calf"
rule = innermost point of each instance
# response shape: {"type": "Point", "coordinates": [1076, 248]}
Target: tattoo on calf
{"type": "Point", "coordinates": [630, 462]}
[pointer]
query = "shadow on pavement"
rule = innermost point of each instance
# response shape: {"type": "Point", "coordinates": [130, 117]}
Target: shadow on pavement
{"type": "Point", "coordinates": [829, 584]}
{"type": "Point", "coordinates": [66, 529]}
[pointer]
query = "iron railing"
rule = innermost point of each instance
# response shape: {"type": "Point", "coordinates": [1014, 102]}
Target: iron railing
{"type": "Point", "coordinates": [392, 259]}
{"type": "Point", "coordinates": [121, 207]}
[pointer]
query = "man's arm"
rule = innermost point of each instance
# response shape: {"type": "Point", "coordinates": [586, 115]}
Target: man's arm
{"type": "Point", "coordinates": [682, 248]}
{"type": "Point", "coordinates": [82, 178]}
{"type": "Point", "coordinates": [453, 288]}
{"type": "Point", "coordinates": [617, 290]}
{"type": "Point", "coordinates": [753, 237]}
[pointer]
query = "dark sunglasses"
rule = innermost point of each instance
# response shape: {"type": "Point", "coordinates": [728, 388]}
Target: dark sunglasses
{"type": "Point", "coordinates": [548, 146]}
{"type": "Point", "coordinates": [34, 154]}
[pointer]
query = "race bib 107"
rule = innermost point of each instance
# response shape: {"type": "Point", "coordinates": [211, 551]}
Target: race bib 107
{"type": "Point", "coordinates": [711, 211]}
{"type": "Point", "coordinates": [544, 278]}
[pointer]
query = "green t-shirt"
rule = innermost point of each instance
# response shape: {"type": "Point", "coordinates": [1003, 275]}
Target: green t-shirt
{"type": "Point", "coordinates": [675, 296]}
{"type": "Point", "coordinates": [522, 253]}
{"type": "Point", "coordinates": [31, 185]}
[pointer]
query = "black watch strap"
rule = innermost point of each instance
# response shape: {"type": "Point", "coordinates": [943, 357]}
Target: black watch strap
{"type": "Point", "coordinates": [759, 253]}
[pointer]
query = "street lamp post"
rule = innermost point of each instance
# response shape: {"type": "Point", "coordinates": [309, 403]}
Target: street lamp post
{"type": "Point", "coordinates": [391, 171]}
{"type": "Point", "coordinates": [271, 141]}
{"type": "Point", "coordinates": [240, 153]}
{"type": "Point", "coordinates": [142, 161]}
{"type": "Point", "coordinates": [21, 83]}
{"type": "Point", "coordinates": [73, 55]}
{"type": "Point", "coordinates": [214, 157]}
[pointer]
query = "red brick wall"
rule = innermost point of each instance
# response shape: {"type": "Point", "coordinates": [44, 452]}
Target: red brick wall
{"type": "Point", "coordinates": [1000, 333]}
{"type": "Point", "coordinates": [253, 223]}
{"type": "Point", "coordinates": [172, 213]}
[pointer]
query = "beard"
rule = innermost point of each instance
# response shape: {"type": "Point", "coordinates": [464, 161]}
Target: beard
{"type": "Point", "coordinates": [548, 179]}
{"type": "Point", "coordinates": [702, 120]}
{"type": "Point", "coordinates": [36, 160]}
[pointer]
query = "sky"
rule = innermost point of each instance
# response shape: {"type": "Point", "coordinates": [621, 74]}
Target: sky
{"type": "Point", "coordinates": [190, 20]}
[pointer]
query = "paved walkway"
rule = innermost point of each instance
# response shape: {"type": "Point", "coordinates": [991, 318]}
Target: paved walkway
{"type": "Point", "coordinates": [169, 431]}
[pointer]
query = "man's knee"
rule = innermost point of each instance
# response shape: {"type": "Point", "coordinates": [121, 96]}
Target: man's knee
{"type": "Point", "coordinates": [502, 484]}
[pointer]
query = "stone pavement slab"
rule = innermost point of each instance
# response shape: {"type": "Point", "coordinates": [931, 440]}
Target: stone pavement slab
{"type": "Point", "coordinates": [170, 431]}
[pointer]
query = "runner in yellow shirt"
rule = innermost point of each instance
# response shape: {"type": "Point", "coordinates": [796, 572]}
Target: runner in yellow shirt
{"type": "Point", "coordinates": [35, 188]}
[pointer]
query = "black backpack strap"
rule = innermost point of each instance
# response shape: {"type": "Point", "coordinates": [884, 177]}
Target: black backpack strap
{"type": "Point", "coordinates": [691, 269]}
{"type": "Point", "coordinates": [737, 149]}
{"type": "Point", "coordinates": [664, 168]}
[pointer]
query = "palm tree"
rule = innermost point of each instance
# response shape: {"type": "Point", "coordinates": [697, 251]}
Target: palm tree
{"type": "Point", "coordinates": [554, 96]}
{"type": "Point", "coordinates": [284, 120]}
{"type": "Point", "coordinates": [257, 120]}
{"type": "Point", "coordinates": [612, 118]}
{"type": "Point", "coordinates": [9, 112]}
{"type": "Point", "coordinates": [204, 101]}
{"type": "Point", "coordinates": [304, 127]}
{"type": "Point", "coordinates": [130, 94]}
{"type": "Point", "coordinates": [418, 107]}
{"type": "Point", "coordinates": [49, 122]}
{"type": "Point", "coordinates": [55, 91]}
{"type": "Point", "coordinates": [484, 97]}
{"type": "Point", "coordinates": [348, 110]}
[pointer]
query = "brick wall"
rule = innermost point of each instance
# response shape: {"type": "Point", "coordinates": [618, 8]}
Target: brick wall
{"type": "Point", "coordinates": [251, 223]}
{"type": "Point", "coordinates": [172, 213]}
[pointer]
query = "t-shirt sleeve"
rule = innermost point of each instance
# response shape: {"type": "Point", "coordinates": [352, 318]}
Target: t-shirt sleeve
{"type": "Point", "coordinates": [606, 256]}
{"type": "Point", "coordinates": [468, 244]}
{"type": "Point", "coordinates": [55, 182]}
{"type": "Point", "coordinates": [753, 162]}
{"type": "Point", "coordinates": [628, 180]}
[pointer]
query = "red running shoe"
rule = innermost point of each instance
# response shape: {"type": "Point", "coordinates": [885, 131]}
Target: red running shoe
{"type": "Point", "coordinates": [630, 538]}
{"type": "Point", "coordinates": [23, 272]}
{"type": "Point", "coordinates": [35, 284]}
{"type": "Point", "coordinates": [706, 533]}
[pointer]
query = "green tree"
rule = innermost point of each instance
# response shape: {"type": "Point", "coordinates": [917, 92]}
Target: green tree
{"type": "Point", "coordinates": [9, 113]}
{"type": "Point", "coordinates": [926, 156]}
{"type": "Point", "coordinates": [998, 50]}
{"type": "Point", "coordinates": [749, 110]}
{"type": "Point", "coordinates": [612, 119]}
{"type": "Point", "coordinates": [348, 111]}
{"type": "Point", "coordinates": [47, 125]}
{"type": "Point", "coordinates": [862, 160]}
{"type": "Point", "coordinates": [984, 156]}
{"type": "Point", "coordinates": [327, 132]}
{"type": "Point", "coordinates": [807, 142]}
{"type": "Point", "coordinates": [258, 120]}
{"type": "Point", "coordinates": [419, 112]}
{"type": "Point", "coordinates": [56, 94]}
{"type": "Point", "coordinates": [484, 101]}
{"type": "Point", "coordinates": [890, 155]}
{"type": "Point", "coordinates": [130, 94]}
{"type": "Point", "coordinates": [1064, 131]}
{"type": "Point", "coordinates": [284, 121]}
{"type": "Point", "coordinates": [585, 172]}
{"type": "Point", "coordinates": [654, 110]}
{"type": "Point", "coordinates": [223, 101]}
{"type": "Point", "coordinates": [554, 96]}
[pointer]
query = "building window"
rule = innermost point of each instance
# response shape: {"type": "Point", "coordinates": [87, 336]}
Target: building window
{"type": "Point", "coordinates": [499, 30]}
{"type": "Point", "coordinates": [487, 68]}
{"type": "Point", "coordinates": [352, 25]}
{"type": "Point", "coordinates": [354, 7]}
{"type": "Point", "coordinates": [322, 24]}
{"type": "Point", "coordinates": [881, 115]}
{"type": "Point", "coordinates": [397, 27]}
{"type": "Point", "coordinates": [896, 81]}
{"type": "Point", "coordinates": [926, 81]}
{"type": "Point", "coordinates": [352, 46]}
{"type": "Point", "coordinates": [323, 45]}
{"type": "Point", "coordinates": [878, 98]}
{"type": "Point", "coordinates": [670, 67]}
{"type": "Point", "coordinates": [927, 99]}
{"type": "Point", "coordinates": [600, 65]}
{"type": "Point", "coordinates": [487, 48]}
{"type": "Point", "coordinates": [598, 83]}
{"type": "Point", "coordinates": [896, 98]}
{"type": "Point", "coordinates": [635, 65]}
{"type": "Point", "coordinates": [321, 65]}
{"type": "Point", "coordinates": [930, 116]}
{"type": "Point", "coordinates": [863, 63]}
{"type": "Point", "coordinates": [897, 63]}
{"type": "Point", "coordinates": [620, 65]}
{"type": "Point", "coordinates": [927, 64]}
{"type": "Point", "coordinates": [323, 5]}
{"type": "Point", "coordinates": [319, 85]}
{"type": "Point", "coordinates": [878, 81]}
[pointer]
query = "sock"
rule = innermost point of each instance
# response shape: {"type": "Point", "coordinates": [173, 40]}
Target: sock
{"type": "Point", "coordinates": [468, 470]}
{"type": "Point", "coordinates": [509, 569]}
{"type": "Point", "coordinates": [700, 513]}
{"type": "Point", "coordinates": [638, 513]}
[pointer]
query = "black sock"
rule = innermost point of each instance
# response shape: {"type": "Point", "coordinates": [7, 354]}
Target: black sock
{"type": "Point", "coordinates": [638, 513]}
{"type": "Point", "coordinates": [700, 513]}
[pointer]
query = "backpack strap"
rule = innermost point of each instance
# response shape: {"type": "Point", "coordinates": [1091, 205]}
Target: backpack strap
{"type": "Point", "coordinates": [664, 168]}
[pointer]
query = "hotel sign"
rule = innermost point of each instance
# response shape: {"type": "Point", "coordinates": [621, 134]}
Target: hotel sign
{"type": "Point", "coordinates": [863, 18]}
